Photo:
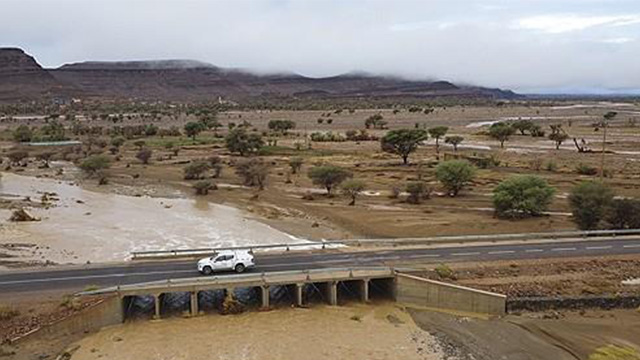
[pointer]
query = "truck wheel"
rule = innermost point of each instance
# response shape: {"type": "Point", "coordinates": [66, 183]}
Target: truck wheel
{"type": "Point", "coordinates": [207, 270]}
{"type": "Point", "coordinates": [239, 268]}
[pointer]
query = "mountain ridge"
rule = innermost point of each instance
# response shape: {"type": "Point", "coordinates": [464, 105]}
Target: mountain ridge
{"type": "Point", "coordinates": [22, 78]}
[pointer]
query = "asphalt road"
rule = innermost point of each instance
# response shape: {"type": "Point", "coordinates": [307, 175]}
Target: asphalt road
{"type": "Point", "coordinates": [79, 277]}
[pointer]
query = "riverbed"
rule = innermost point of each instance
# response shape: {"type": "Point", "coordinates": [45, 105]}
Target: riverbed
{"type": "Point", "coordinates": [85, 226]}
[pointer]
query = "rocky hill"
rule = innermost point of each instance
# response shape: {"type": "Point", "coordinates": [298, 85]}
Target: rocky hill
{"type": "Point", "coordinates": [21, 78]}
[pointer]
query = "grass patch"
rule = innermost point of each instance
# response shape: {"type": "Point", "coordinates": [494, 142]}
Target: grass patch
{"type": "Point", "coordinates": [7, 313]}
{"type": "Point", "coordinates": [444, 271]}
{"type": "Point", "coordinates": [613, 352]}
{"type": "Point", "coordinates": [289, 151]}
{"type": "Point", "coordinates": [179, 141]}
{"type": "Point", "coordinates": [91, 288]}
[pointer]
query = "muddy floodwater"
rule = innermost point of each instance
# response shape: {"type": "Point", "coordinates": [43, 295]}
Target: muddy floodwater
{"type": "Point", "coordinates": [83, 225]}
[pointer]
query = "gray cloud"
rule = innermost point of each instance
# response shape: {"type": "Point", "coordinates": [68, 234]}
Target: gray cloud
{"type": "Point", "coordinates": [527, 45]}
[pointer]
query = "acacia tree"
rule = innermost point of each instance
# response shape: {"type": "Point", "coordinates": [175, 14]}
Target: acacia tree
{"type": "Point", "coordinates": [403, 142]}
{"type": "Point", "coordinates": [558, 136]}
{"type": "Point", "coordinates": [501, 132]}
{"type": "Point", "coordinates": [352, 188]}
{"type": "Point", "coordinates": [192, 129]}
{"type": "Point", "coordinates": [239, 141]}
{"type": "Point", "coordinates": [436, 133]}
{"type": "Point", "coordinates": [454, 140]}
{"type": "Point", "coordinates": [328, 176]}
{"type": "Point", "coordinates": [523, 126]}
{"type": "Point", "coordinates": [253, 171]}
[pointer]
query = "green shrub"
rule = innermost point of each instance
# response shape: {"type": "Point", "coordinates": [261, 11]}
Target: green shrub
{"type": "Point", "coordinates": [23, 133]}
{"type": "Point", "coordinates": [195, 170]}
{"type": "Point", "coordinates": [551, 166]}
{"type": "Point", "coordinates": [444, 271]}
{"type": "Point", "coordinates": [95, 163]}
{"type": "Point", "coordinates": [418, 191]}
{"type": "Point", "coordinates": [202, 187]}
{"type": "Point", "coordinates": [589, 202]}
{"type": "Point", "coordinates": [522, 196]}
{"type": "Point", "coordinates": [455, 175]}
{"type": "Point", "coordinates": [623, 214]}
{"type": "Point", "coordinates": [584, 169]}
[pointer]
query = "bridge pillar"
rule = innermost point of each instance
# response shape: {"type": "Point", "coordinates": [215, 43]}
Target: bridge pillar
{"type": "Point", "coordinates": [299, 294]}
{"type": "Point", "coordinates": [332, 293]}
{"type": "Point", "coordinates": [156, 303]}
{"type": "Point", "coordinates": [194, 303]}
{"type": "Point", "coordinates": [364, 290]}
{"type": "Point", "coordinates": [265, 296]}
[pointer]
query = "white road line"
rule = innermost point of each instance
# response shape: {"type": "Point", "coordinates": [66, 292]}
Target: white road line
{"type": "Point", "coordinates": [466, 254]}
{"type": "Point", "coordinates": [417, 256]}
{"type": "Point", "coordinates": [564, 249]}
{"type": "Point", "coordinates": [501, 252]}
{"type": "Point", "coordinates": [598, 247]}
{"type": "Point", "coordinates": [631, 246]}
{"type": "Point", "coordinates": [534, 250]}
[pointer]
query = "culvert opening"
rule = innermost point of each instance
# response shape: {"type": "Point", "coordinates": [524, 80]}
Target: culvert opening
{"type": "Point", "coordinates": [349, 291]}
{"type": "Point", "coordinates": [210, 301]}
{"type": "Point", "coordinates": [315, 293]}
{"type": "Point", "coordinates": [282, 295]}
{"type": "Point", "coordinates": [138, 307]}
{"type": "Point", "coordinates": [175, 303]}
{"type": "Point", "coordinates": [381, 289]}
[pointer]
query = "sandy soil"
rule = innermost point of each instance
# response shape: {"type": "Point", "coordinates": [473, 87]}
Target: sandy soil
{"type": "Point", "coordinates": [575, 336]}
{"type": "Point", "coordinates": [359, 332]}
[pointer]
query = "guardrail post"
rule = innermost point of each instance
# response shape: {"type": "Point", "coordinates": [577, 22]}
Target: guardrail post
{"type": "Point", "coordinates": [299, 294]}
{"type": "Point", "coordinates": [194, 303]}
{"type": "Point", "coordinates": [156, 303]}
{"type": "Point", "coordinates": [364, 290]}
{"type": "Point", "coordinates": [332, 293]}
{"type": "Point", "coordinates": [265, 296]}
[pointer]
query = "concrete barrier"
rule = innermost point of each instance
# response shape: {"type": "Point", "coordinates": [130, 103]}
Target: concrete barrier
{"type": "Point", "coordinates": [435, 295]}
{"type": "Point", "coordinates": [107, 312]}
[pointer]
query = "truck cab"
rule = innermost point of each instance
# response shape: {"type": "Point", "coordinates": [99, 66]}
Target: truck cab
{"type": "Point", "coordinates": [229, 260]}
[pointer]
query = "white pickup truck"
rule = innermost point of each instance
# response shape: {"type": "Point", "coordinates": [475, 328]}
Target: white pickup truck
{"type": "Point", "coordinates": [228, 260]}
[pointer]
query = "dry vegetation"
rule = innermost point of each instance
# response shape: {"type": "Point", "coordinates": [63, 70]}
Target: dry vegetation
{"type": "Point", "coordinates": [147, 148]}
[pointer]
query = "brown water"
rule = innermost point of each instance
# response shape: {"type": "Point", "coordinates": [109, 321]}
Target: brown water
{"type": "Point", "coordinates": [90, 226]}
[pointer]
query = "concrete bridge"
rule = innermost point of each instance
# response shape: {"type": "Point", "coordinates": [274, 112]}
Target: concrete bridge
{"type": "Point", "coordinates": [331, 283]}
{"type": "Point", "coordinates": [326, 280]}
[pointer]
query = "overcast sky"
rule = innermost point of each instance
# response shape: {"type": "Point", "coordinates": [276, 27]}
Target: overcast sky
{"type": "Point", "coordinates": [525, 45]}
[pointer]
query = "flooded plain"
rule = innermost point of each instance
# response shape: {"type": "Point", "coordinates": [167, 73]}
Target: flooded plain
{"type": "Point", "coordinates": [81, 225]}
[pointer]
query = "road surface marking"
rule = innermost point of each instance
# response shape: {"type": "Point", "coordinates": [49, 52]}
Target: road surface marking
{"type": "Point", "coordinates": [631, 246]}
{"type": "Point", "coordinates": [466, 254]}
{"type": "Point", "coordinates": [501, 252]}
{"type": "Point", "coordinates": [417, 256]}
{"type": "Point", "coordinates": [564, 249]}
{"type": "Point", "coordinates": [598, 247]}
{"type": "Point", "coordinates": [534, 250]}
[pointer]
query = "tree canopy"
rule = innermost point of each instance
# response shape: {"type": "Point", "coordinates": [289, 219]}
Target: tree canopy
{"type": "Point", "coordinates": [403, 142]}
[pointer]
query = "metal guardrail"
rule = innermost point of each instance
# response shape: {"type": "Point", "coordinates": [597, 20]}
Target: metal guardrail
{"type": "Point", "coordinates": [461, 239]}
{"type": "Point", "coordinates": [266, 278]}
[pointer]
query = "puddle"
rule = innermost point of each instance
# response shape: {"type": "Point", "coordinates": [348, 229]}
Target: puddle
{"type": "Point", "coordinates": [91, 226]}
